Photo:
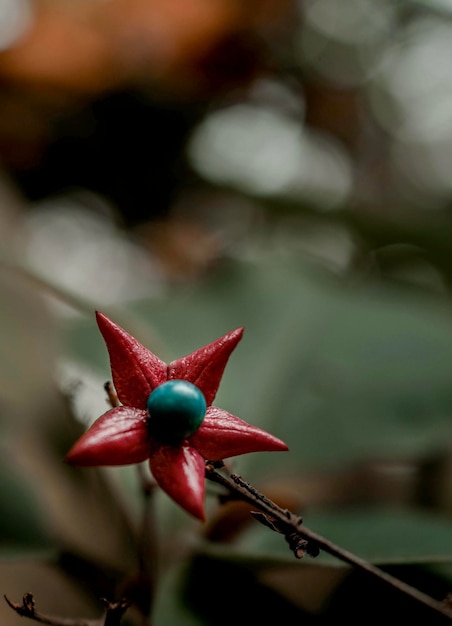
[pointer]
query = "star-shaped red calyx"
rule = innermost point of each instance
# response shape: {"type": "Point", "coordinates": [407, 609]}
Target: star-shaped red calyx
{"type": "Point", "coordinates": [125, 434]}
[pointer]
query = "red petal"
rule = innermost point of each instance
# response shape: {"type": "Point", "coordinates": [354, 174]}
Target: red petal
{"type": "Point", "coordinates": [204, 367]}
{"type": "Point", "coordinates": [136, 370]}
{"type": "Point", "coordinates": [119, 437]}
{"type": "Point", "coordinates": [223, 435]}
{"type": "Point", "coordinates": [180, 472]}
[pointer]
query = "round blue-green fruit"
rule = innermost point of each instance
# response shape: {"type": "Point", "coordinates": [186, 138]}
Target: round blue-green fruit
{"type": "Point", "coordinates": [176, 409]}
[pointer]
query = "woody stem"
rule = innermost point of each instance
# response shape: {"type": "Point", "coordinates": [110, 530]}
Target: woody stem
{"type": "Point", "coordinates": [112, 617]}
{"type": "Point", "coordinates": [302, 540]}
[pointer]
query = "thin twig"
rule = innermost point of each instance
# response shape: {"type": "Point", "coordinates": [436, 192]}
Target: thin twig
{"type": "Point", "coordinates": [303, 540]}
{"type": "Point", "coordinates": [112, 396]}
{"type": "Point", "coordinates": [115, 611]}
{"type": "Point", "coordinates": [112, 617]}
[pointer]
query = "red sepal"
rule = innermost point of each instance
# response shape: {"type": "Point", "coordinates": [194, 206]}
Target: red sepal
{"type": "Point", "coordinates": [180, 472]}
{"type": "Point", "coordinates": [223, 435]}
{"type": "Point", "coordinates": [204, 367]}
{"type": "Point", "coordinates": [136, 370]}
{"type": "Point", "coordinates": [119, 437]}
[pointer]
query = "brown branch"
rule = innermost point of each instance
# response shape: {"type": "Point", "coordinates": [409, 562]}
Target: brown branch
{"type": "Point", "coordinates": [114, 612]}
{"type": "Point", "coordinates": [112, 396]}
{"type": "Point", "coordinates": [303, 541]}
{"type": "Point", "coordinates": [112, 617]}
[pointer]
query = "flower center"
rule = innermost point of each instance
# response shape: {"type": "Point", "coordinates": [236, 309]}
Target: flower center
{"type": "Point", "coordinates": [177, 409]}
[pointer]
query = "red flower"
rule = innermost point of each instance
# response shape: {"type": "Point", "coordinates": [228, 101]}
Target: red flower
{"type": "Point", "coordinates": [176, 427]}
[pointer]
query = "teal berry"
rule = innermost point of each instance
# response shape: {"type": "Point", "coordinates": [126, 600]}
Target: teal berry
{"type": "Point", "coordinates": [177, 409]}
